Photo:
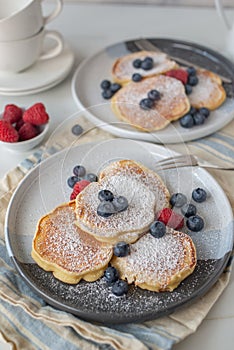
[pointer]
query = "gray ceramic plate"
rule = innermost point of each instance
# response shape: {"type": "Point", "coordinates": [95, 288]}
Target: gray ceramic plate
{"type": "Point", "coordinates": [87, 92]}
{"type": "Point", "coordinates": [45, 188]}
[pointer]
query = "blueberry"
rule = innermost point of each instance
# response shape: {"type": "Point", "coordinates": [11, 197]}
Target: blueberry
{"type": "Point", "coordinates": [120, 287]}
{"type": "Point", "coordinates": [121, 249]}
{"type": "Point", "coordinates": [146, 103]}
{"type": "Point", "coordinates": [105, 209]}
{"type": "Point", "coordinates": [111, 274]}
{"type": "Point", "coordinates": [195, 223]}
{"type": "Point", "coordinates": [77, 129]}
{"type": "Point", "coordinates": [115, 87]}
{"type": "Point", "coordinates": [157, 229]}
{"type": "Point", "coordinates": [79, 170]}
{"type": "Point", "coordinates": [136, 77]}
{"type": "Point", "coordinates": [178, 200]}
{"type": "Point", "coordinates": [199, 118]}
{"type": "Point", "coordinates": [199, 195]}
{"type": "Point", "coordinates": [187, 121]}
{"type": "Point", "coordinates": [192, 80]}
{"type": "Point", "coordinates": [204, 111]}
{"type": "Point", "coordinates": [120, 203]}
{"type": "Point", "coordinates": [107, 94]}
{"type": "Point", "coordinates": [192, 111]}
{"type": "Point", "coordinates": [147, 63]}
{"type": "Point", "coordinates": [72, 180]}
{"type": "Point", "coordinates": [191, 71]}
{"type": "Point", "coordinates": [188, 89]}
{"type": "Point", "coordinates": [105, 84]}
{"type": "Point", "coordinates": [91, 177]}
{"type": "Point", "coordinates": [105, 195]}
{"type": "Point", "coordinates": [154, 95]}
{"type": "Point", "coordinates": [137, 63]}
{"type": "Point", "coordinates": [189, 210]}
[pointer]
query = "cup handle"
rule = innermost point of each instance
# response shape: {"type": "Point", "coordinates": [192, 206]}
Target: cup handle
{"type": "Point", "coordinates": [55, 51]}
{"type": "Point", "coordinates": [55, 13]}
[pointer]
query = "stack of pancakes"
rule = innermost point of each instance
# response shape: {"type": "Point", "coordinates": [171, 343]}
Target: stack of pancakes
{"type": "Point", "coordinates": [174, 102]}
{"type": "Point", "coordinates": [75, 243]}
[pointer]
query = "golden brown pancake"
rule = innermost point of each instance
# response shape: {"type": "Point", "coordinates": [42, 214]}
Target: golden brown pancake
{"type": "Point", "coordinates": [209, 91]}
{"type": "Point", "coordinates": [122, 69]}
{"type": "Point", "coordinates": [71, 254]}
{"type": "Point", "coordinates": [158, 264]}
{"type": "Point", "coordinates": [172, 105]}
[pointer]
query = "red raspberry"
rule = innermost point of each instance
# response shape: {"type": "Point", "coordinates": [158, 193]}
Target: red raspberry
{"type": "Point", "coordinates": [170, 218]}
{"type": "Point", "coordinates": [27, 132]}
{"type": "Point", "coordinates": [19, 123]}
{"type": "Point", "coordinates": [12, 113]}
{"type": "Point", "coordinates": [179, 74]}
{"type": "Point", "coordinates": [79, 186]}
{"type": "Point", "coordinates": [36, 114]}
{"type": "Point", "coordinates": [8, 132]}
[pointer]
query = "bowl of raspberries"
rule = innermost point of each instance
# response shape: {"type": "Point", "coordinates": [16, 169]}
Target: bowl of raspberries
{"type": "Point", "coordinates": [22, 129]}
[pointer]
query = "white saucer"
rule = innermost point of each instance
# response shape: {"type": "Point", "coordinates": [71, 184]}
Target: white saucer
{"type": "Point", "coordinates": [41, 76]}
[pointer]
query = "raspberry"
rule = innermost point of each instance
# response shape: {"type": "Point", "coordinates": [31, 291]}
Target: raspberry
{"type": "Point", "coordinates": [8, 132]}
{"type": "Point", "coordinates": [170, 218]}
{"type": "Point", "coordinates": [36, 114]}
{"type": "Point", "coordinates": [27, 132]}
{"type": "Point", "coordinates": [79, 186]}
{"type": "Point", "coordinates": [179, 74]}
{"type": "Point", "coordinates": [12, 113]}
{"type": "Point", "coordinates": [19, 123]}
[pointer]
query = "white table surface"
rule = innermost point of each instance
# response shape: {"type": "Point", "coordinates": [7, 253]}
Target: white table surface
{"type": "Point", "coordinates": [88, 28]}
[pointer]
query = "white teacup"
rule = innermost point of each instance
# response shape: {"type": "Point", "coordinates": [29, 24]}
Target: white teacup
{"type": "Point", "coordinates": [20, 19]}
{"type": "Point", "coordinates": [18, 55]}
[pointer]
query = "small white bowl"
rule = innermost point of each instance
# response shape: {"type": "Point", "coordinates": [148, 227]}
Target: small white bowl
{"type": "Point", "coordinates": [23, 146]}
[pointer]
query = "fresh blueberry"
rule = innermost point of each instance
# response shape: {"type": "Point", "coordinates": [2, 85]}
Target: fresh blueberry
{"type": "Point", "coordinates": [147, 63]}
{"type": "Point", "coordinates": [199, 195]}
{"type": "Point", "coordinates": [146, 103]}
{"type": "Point", "coordinates": [191, 71]}
{"type": "Point", "coordinates": [195, 223]}
{"type": "Point", "coordinates": [136, 77]}
{"type": "Point", "coordinates": [105, 209]}
{"type": "Point", "coordinates": [91, 177]}
{"type": "Point", "coordinates": [199, 118]}
{"type": "Point", "coordinates": [79, 170]}
{"type": "Point", "coordinates": [107, 94]}
{"type": "Point", "coordinates": [192, 111]}
{"type": "Point", "coordinates": [189, 210]}
{"type": "Point", "coordinates": [192, 80]}
{"type": "Point", "coordinates": [120, 288]}
{"type": "Point", "coordinates": [121, 249]}
{"type": "Point", "coordinates": [157, 229]}
{"type": "Point", "coordinates": [154, 95]}
{"type": "Point", "coordinates": [204, 111]}
{"type": "Point", "coordinates": [120, 203]}
{"type": "Point", "coordinates": [105, 195]}
{"type": "Point", "coordinates": [187, 121]}
{"type": "Point", "coordinates": [72, 180]}
{"type": "Point", "coordinates": [77, 129]}
{"type": "Point", "coordinates": [115, 87]}
{"type": "Point", "coordinates": [105, 84]}
{"type": "Point", "coordinates": [188, 89]}
{"type": "Point", "coordinates": [111, 274]}
{"type": "Point", "coordinates": [178, 200]}
{"type": "Point", "coordinates": [137, 63]}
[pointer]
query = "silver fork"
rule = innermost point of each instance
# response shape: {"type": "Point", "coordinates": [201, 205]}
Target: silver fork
{"type": "Point", "coordinates": [185, 160]}
{"type": "Point", "coordinates": [144, 44]}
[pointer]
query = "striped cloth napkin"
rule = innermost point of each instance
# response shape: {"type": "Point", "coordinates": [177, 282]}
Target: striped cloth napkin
{"type": "Point", "coordinates": [28, 322]}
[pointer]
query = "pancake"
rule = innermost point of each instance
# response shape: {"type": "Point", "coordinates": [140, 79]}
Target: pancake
{"type": "Point", "coordinates": [145, 192]}
{"type": "Point", "coordinates": [158, 264]}
{"type": "Point", "coordinates": [71, 254]}
{"type": "Point", "coordinates": [172, 105]}
{"type": "Point", "coordinates": [209, 91]}
{"type": "Point", "coordinates": [122, 69]}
